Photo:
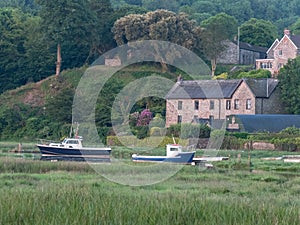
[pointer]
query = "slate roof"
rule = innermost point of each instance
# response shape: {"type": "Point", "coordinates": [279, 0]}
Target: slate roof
{"type": "Point", "coordinates": [262, 88]}
{"type": "Point", "coordinates": [296, 40]}
{"type": "Point", "coordinates": [203, 89]}
{"type": "Point", "coordinates": [253, 48]}
{"type": "Point", "coordinates": [266, 122]}
{"type": "Point", "coordinates": [220, 89]}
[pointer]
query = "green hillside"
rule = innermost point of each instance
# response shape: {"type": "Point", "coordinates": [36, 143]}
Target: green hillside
{"type": "Point", "coordinates": [44, 109]}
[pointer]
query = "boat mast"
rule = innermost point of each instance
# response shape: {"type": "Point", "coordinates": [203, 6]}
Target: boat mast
{"type": "Point", "coordinates": [71, 129]}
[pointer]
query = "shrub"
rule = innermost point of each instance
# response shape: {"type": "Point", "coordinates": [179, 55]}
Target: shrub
{"type": "Point", "coordinates": [286, 144]}
{"type": "Point", "coordinates": [174, 130]}
{"type": "Point", "coordinates": [290, 131]}
{"type": "Point", "coordinates": [157, 131]}
{"type": "Point", "coordinates": [188, 130]}
{"type": "Point", "coordinates": [242, 135]}
{"type": "Point", "coordinates": [142, 132]}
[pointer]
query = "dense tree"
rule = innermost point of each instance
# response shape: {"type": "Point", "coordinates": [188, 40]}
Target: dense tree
{"type": "Point", "coordinates": [239, 9]}
{"type": "Point", "coordinates": [289, 83]}
{"type": "Point", "coordinates": [295, 27]}
{"type": "Point", "coordinates": [134, 2]}
{"type": "Point", "coordinates": [217, 29]}
{"type": "Point", "coordinates": [70, 24]}
{"type": "Point", "coordinates": [205, 7]}
{"type": "Point", "coordinates": [105, 103]}
{"type": "Point", "coordinates": [158, 25]}
{"type": "Point", "coordinates": [105, 17]}
{"type": "Point", "coordinates": [161, 4]}
{"type": "Point", "coordinates": [59, 109]}
{"type": "Point", "coordinates": [37, 64]}
{"type": "Point", "coordinates": [258, 32]}
{"type": "Point", "coordinates": [24, 5]}
{"type": "Point", "coordinates": [278, 12]}
{"type": "Point", "coordinates": [20, 51]}
{"type": "Point", "coordinates": [12, 36]}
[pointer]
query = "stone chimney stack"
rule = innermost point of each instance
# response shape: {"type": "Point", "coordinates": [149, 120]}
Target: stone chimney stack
{"type": "Point", "coordinates": [287, 32]}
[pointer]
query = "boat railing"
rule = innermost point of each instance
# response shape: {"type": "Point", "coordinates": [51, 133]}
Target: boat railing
{"type": "Point", "coordinates": [45, 141]}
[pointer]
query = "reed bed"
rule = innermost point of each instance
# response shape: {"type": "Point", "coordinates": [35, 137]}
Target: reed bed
{"type": "Point", "coordinates": [38, 192]}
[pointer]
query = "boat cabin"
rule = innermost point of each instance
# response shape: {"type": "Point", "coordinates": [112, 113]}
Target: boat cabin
{"type": "Point", "coordinates": [173, 150]}
{"type": "Point", "coordinates": [69, 143]}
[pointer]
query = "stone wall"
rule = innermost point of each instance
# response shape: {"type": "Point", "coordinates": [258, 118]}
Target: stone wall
{"type": "Point", "coordinates": [230, 55]}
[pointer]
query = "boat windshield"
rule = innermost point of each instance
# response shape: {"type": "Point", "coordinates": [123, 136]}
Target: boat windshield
{"type": "Point", "coordinates": [70, 141]}
{"type": "Point", "coordinates": [178, 148]}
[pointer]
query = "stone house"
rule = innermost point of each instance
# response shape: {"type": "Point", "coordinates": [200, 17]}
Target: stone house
{"type": "Point", "coordinates": [208, 100]}
{"type": "Point", "coordinates": [280, 52]}
{"type": "Point", "coordinates": [241, 53]}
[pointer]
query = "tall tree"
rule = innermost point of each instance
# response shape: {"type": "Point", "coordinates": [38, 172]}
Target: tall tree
{"type": "Point", "coordinates": [217, 29]}
{"type": "Point", "coordinates": [104, 16]}
{"type": "Point", "coordinates": [289, 83]}
{"type": "Point", "coordinates": [258, 32]}
{"type": "Point", "coordinates": [70, 24]}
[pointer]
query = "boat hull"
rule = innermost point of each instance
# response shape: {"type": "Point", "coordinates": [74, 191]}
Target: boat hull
{"type": "Point", "coordinates": [74, 154]}
{"type": "Point", "coordinates": [182, 157]}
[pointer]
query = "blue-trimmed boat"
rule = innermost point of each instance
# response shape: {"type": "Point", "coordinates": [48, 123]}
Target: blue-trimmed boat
{"type": "Point", "coordinates": [72, 149]}
{"type": "Point", "coordinates": [174, 155]}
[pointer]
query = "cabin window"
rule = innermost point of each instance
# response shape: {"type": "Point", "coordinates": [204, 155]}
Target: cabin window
{"type": "Point", "coordinates": [228, 104]}
{"type": "Point", "coordinates": [179, 105]}
{"type": "Point", "coordinates": [72, 142]}
{"type": "Point", "coordinates": [248, 104]}
{"type": "Point", "coordinates": [211, 104]}
{"type": "Point", "coordinates": [196, 105]}
{"type": "Point", "coordinates": [179, 119]}
{"type": "Point", "coordinates": [236, 104]}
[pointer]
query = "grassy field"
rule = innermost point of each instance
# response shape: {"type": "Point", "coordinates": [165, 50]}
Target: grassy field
{"type": "Point", "coordinates": [39, 192]}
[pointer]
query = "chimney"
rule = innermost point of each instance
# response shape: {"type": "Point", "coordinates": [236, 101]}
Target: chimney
{"type": "Point", "coordinates": [287, 32]}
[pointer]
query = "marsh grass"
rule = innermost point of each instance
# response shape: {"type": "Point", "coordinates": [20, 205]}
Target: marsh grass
{"type": "Point", "coordinates": [41, 192]}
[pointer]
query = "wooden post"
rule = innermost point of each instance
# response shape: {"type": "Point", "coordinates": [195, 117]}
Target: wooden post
{"type": "Point", "coordinates": [20, 147]}
{"type": "Point", "coordinates": [58, 62]}
{"type": "Point", "coordinates": [239, 158]}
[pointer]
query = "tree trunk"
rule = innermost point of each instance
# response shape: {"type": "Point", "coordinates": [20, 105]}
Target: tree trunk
{"type": "Point", "coordinates": [58, 62]}
{"type": "Point", "coordinates": [164, 67]}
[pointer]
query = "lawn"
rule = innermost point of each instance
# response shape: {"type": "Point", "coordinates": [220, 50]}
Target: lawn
{"type": "Point", "coordinates": [39, 192]}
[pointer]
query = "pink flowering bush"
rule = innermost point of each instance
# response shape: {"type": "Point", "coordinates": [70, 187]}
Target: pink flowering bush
{"type": "Point", "coordinates": [144, 118]}
{"type": "Point", "coordinates": [139, 123]}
